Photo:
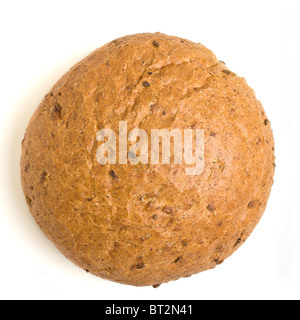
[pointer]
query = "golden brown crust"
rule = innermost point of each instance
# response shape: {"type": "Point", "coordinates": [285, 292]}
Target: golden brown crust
{"type": "Point", "coordinates": [148, 224]}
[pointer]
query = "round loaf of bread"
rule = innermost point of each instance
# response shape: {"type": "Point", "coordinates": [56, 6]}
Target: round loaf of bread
{"type": "Point", "coordinates": [147, 224]}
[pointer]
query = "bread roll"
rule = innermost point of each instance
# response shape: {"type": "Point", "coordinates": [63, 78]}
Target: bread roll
{"type": "Point", "coordinates": [147, 224]}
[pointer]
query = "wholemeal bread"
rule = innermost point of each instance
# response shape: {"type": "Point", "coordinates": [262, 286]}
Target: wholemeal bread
{"type": "Point", "coordinates": [148, 224]}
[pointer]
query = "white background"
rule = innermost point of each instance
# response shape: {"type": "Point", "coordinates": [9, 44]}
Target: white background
{"type": "Point", "coordinates": [259, 40]}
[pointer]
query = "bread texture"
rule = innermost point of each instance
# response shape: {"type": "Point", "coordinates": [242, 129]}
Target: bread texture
{"type": "Point", "coordinates": [149, 224]}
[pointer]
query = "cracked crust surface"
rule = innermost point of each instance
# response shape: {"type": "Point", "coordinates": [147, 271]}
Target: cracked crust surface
{"type": "Point", "coordinates": [148, 224]}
